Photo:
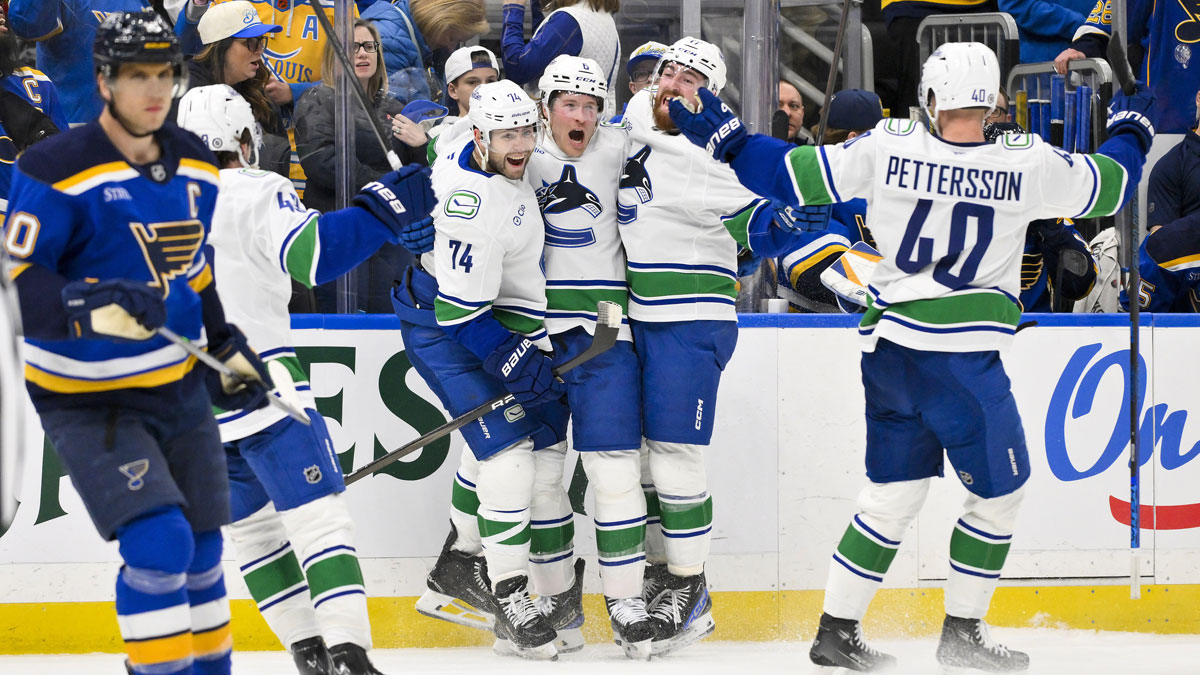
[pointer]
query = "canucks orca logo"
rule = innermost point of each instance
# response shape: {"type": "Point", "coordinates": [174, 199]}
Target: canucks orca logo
{"type": "Point", "coordinates": [635, 178]}
{"type": "Point", "coordinates": [169, 249]}
{"type": "Point", "coordinates": [567, 194]}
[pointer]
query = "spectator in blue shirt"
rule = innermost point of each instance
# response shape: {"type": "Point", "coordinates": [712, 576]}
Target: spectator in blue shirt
{"type": "Point", "coordinates": [412, 30]}
{"type": "Point", "coordinates": [583, 28]}
{"type": "Point", "coordinates": [1045, 27]}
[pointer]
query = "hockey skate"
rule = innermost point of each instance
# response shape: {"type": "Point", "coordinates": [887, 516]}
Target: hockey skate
{"type": "Point", "coordinates": [682, 614]}
{"type": "Point", "coordinates": [654, 580]}
{"type": "Point", "coordinates": [632, 627]}
{"type": "Point", "coordinates": [312, 657]}
{"type": "Point", "coordinates": [967, 644]}
{"type": "Point", "coordinates": [458, 589]}
{"type": "Point", "coordinates": [350, 659]}
{"type": "Point", "coordinates": [839, 644]}
{"type": "Point", "coordinates": [520, 628]}
{"type": "Point", "coordinates": [564, 611]}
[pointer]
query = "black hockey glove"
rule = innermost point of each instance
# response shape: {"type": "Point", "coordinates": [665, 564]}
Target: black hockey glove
{"type": "Point", "coordinates": [117, 310]}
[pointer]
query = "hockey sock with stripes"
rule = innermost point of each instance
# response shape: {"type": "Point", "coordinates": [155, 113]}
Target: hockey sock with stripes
{"type": "Point", "coordinates": [464, 505]}
{"type": "Point", "coordinates": [505, 491]}
{"type": "Point", "coordinates": [212, 638]}
{"type": "Point", "coordinates": [151, 595]}
{"type": "Point", "coordinates": [656, 552]}
{"type": "Point", "coordinates": [552, 524]}
{"type": "Point", "coordinates": [869, 545]}
{"type": "Point", "coordinates": [978, 548]}
{"type": "Point", "coordinates": [273, 575]}
{"type": "Point", "coordinates": [322, 533]}
{"type": "Point", "coordinates": [682, 483]}
{"type": "Point", "coordinates": [620, 518]}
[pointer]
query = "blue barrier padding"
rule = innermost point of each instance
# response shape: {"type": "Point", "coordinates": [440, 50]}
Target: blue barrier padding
{"type": "Point", "coordinates": [390, 322]}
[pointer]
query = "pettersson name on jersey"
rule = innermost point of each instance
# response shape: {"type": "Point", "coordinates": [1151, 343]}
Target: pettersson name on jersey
{"type": "Point", "coordinates": [953, 181]}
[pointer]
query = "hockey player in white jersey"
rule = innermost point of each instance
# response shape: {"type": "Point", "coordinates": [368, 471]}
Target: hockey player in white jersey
{"type": "Point", "coordinates": [949, 213]}
{"type": "Point", "coordinates": [472, 319]}
{"type": "Point", "coordinates": [683, 218]}
{"type": "Point", "coordinates": [292, 530]}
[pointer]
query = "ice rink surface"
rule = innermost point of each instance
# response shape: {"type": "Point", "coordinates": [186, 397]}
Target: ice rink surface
{"type": "Point", "coordinates": [1053, 652]}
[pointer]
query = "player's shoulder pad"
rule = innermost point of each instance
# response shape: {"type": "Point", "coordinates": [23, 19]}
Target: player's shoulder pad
{"type": "Point", "coordinates": [1175, 244]}
{"type": "Point", "coordinates": [897, 127]}
{"type": "Point", "coordinates": [68, 154]}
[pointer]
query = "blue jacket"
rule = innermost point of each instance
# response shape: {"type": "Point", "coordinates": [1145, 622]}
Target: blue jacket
{"type": "Point", "coordinates": [1174, 190]}
{"type": "Point", "coordinates": [407, 63]}
{"type": "Point", "coordinates": [64, 31]}
{"type": "Point", "coordinates": [1046, 26]}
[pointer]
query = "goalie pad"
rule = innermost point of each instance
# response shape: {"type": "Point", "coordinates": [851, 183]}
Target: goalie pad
{"type": "Point", "coordinates": [850, 274]}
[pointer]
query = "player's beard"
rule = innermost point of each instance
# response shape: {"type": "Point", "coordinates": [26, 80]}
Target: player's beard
{"type": "Point", "coordinates": [661, 119]}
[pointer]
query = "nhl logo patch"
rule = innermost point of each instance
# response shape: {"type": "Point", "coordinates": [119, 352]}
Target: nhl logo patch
{"type": "Point", "coordinates": [312, 474]}
{"type": "Point", "coordinates": [158, 173]}
{"type": "Point", "coordinates": [514, 413]}
{"type": "Point", "coordinates": [135, 471]}
{"type": "Point", "coordinates": [967, 478]}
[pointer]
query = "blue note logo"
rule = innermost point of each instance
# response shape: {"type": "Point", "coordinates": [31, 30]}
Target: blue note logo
{"type": "Point", "coordinates": [135, 471]}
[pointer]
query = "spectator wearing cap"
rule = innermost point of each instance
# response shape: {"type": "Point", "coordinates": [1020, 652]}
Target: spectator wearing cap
{"type": "Point", "coordinates": [791, 103]}
{"type": "Point", "coordinates": [640, 68]}
{"type": "Point", "coordinates": [583, 28]}
{"type": "Point", "coordinates": [412, 30]}
{"type": "Point", "coordinates": [318, 155]}
{"type": "Point", "coordinates": [852, 112]}
{"type": "Point", "coordinates": [235, 39]}
{"type": "Point", "coordinates": [466, 69]}
{"type": "Point", "coordinates": [64, 31]}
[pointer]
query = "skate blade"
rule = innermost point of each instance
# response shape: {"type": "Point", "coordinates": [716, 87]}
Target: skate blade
{"type": "Point", "coordinates": [448, 608]}
{"type": "Point", "coordinates": [700, 629]}
{"type": "Point", "coordinates": [546, 652]}
{"type": "Point", "coordinates": [570, 640]}
{"type": "Point", "coordinates": [638, 651]}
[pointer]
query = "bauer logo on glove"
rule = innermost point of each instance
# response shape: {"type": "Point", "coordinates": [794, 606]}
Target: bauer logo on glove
{"type": "Point", "coordinates": [388, 196]}
{"type": "Point", "coordinates": [723, 133]}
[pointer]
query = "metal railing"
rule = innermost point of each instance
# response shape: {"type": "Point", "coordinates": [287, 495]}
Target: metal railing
{"type": "Point", "coordinates": [997, 30]}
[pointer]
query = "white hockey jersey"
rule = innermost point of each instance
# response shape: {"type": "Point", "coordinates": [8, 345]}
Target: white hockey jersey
{"type": "Point", "coordinates": [444, 137]}
{"type": "Point", "coordinates": [950, 221]}
{"type": "Point", "coordinates": [578, 200]}
{"type": "Point", "coordinates": [262, 235]}
{"type": "Point", "coordinates": [673, 202]}
{"type": "Point", "coordinates": [488, 248]}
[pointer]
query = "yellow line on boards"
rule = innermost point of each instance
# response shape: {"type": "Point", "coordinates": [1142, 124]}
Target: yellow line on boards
{"type": "Point", "coordinates": [83, 627]}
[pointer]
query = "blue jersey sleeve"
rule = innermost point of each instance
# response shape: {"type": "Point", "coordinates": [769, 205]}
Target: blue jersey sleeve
{"type": "Point", "coordinates": [348, 237]}
{"type": "Point", "coordinates": [1166, 186]}
{"type": "Point", "coordinates": [1167, 262]}
{"type": "Point", "coordinates": [35, 19]}
{"type": "Point", "coordinates": [1046, 19]}
{"type": "Point", "coordinates": [560, 34]}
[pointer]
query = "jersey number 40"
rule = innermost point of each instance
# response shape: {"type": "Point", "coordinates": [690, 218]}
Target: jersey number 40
{"type": "Point", "coordinates": [916, 252]}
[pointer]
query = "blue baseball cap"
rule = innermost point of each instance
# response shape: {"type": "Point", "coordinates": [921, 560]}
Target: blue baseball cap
{"type": "Point", "coordinates": [854, 110]}
{"type": "Point", "coordinates": [650, 51]}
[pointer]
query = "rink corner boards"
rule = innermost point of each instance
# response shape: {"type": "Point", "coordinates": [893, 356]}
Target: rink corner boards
{"type": "Point", "coordinates": [751, 616]}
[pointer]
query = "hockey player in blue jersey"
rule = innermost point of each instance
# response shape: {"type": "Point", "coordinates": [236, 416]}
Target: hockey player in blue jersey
{"type": "Point", "coordinates": [1169, 263]}
{"type": "Point", "coordinates": [106, 227]}
{"type": "Point", "coordinates": [942, 303]}
{"type": "Point", "coordinates": [292, 531]}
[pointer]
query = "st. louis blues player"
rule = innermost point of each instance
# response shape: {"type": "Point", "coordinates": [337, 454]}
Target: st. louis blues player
{"type": "Point", "coordinates": [942, 305]}
{"type": "Point", "coordinates": [106, 223]}
{"type": "Point", "coordinates": [292, 530]}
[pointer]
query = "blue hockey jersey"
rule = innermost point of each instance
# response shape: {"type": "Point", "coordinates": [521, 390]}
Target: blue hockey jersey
{"type": "Point", "coordinates": [33, 86]}
{"type": "Point", "coordinates": [1169, 262]}
{"type": "Point", "coordinates": [79, 210]}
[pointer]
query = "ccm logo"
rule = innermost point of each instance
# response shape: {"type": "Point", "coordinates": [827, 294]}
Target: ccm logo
{"type": "Point", "coordinates": [515, 357]}
{"type": "Point", "coordinates": [699, 413]}
{"type": "Point", "coordinates": [722, 133]}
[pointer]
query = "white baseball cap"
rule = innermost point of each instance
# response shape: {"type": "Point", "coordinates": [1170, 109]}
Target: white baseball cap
{"type": "Point", "coordinates": [460, 62]}
{"type": "Point", "coordinates": [236, 19]}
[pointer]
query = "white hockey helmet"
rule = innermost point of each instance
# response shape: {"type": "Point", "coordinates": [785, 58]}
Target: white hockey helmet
{"type": "Point", "coordinates": [572, 74]}
{"type": "Point", "coordinates": [703, 57]}
{"type": "Point", "coordinates": [501, 105]}
{"type": "Point", "coordinates": [960, 75]}
{"type": "Point", "coordinates": [220, 116]}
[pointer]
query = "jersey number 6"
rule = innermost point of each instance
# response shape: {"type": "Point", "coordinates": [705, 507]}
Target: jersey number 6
{"type": "Point", "coordinates": [916, 252]}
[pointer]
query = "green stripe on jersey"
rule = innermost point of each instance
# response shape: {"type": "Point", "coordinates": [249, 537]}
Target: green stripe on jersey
{"type": "Point", "coordinates": [963, 308]}
{"type": "Point", "coordinates": [585, 299]}
{"type": "Point", "coordinates": [517, 323]}
{"type": "Point", "coordinates": [295, 369]}
{"type": "Point", "coordinates": [865, 552]}
{"type": "Point", "coordinates": [302, 253]}
{"type": "Point", "coordinates": [970, 550]}
{"type": "Point", "coordinates": [622, 541]}
{"type": "Point", "coordinates": [1110, 188]}
{"type": "Point", "coordinates": [659, 284]}
{"type": "Point", "coordinates": [447, 312]}
{"type": "Point", "coordinates": [554, 539]}
{"type": "Point", "coordinates": [739, 223]}
{"type": "Point", "coordinates": [274, 577]}
{"type": "Point", "coordinates": [333, 572]}
{"type": "Point", "coordinates": [681, 517]}
{"type": "Point", "coordinates": [808, 174]}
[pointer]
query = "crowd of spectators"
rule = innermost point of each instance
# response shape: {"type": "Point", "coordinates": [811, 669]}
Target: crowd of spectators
{"type": "Point", "coordinates": [278, 58]}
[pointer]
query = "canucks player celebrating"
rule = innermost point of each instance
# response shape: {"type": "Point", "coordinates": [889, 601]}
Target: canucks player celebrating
{"type": "Point", "coordinates": [682, 220]}
{"type": "Point", "coordinates": [942, 303]}
{"type": "Point", "coordinates": [472, 322]}
{"type": "Point", "coordinates": [285, 478]}
{"type": "Point", "coordinates": [106, 224]}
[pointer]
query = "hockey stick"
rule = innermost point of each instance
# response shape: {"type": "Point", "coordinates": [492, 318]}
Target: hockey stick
{"type": "Point", "coordinates": [608, 323]}
{"type": "Point", "coordinates": [1119, 60]}
{"type": "Point", "coordinates": [833, 69]}
{"type": "Point", "coordinates": [340, 51]}
{"type": "Point", "coordinates": [212, 362]}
